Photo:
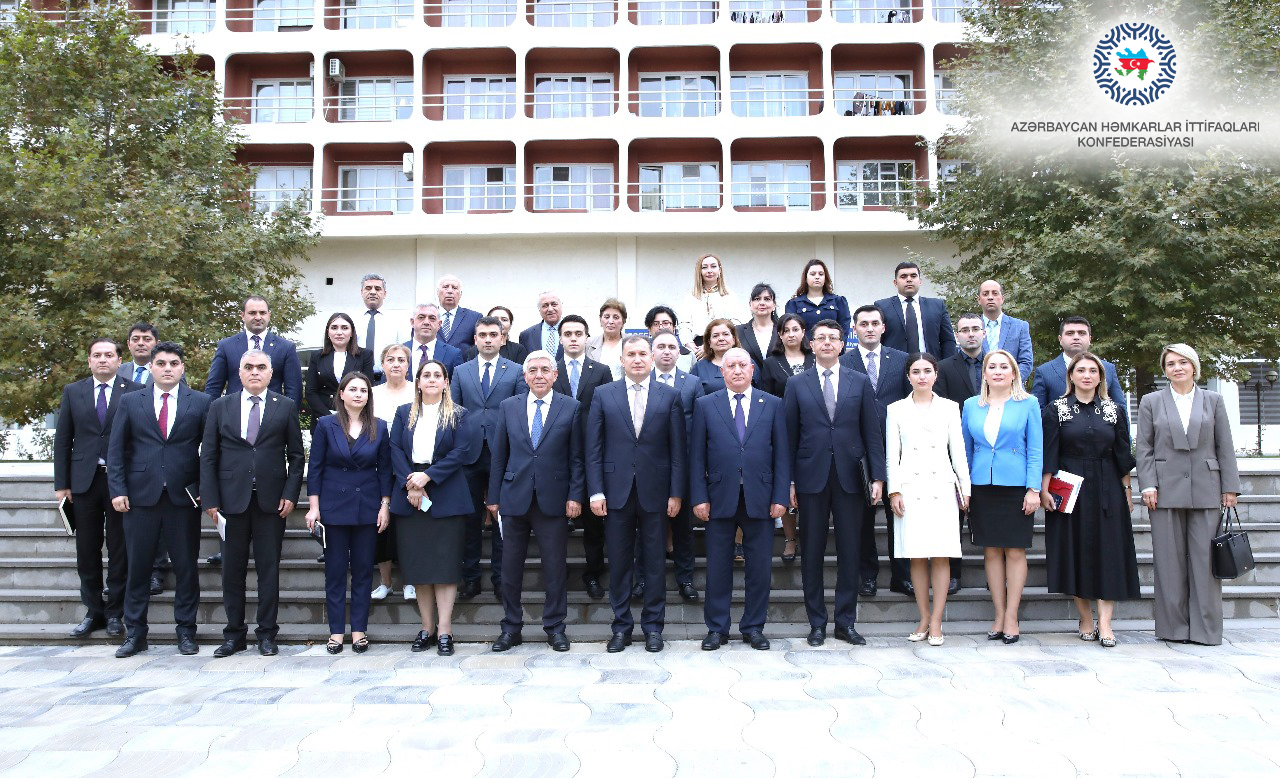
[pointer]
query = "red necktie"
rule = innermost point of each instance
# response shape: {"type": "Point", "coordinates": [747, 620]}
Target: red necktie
{"type": "Point", "coordinates": [164, 415]}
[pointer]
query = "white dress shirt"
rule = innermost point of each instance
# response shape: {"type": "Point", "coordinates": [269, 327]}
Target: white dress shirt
{"type": "Point", "coordinates": [835, 378]}
{"type": "Point", "coordinates": [96, 385]}
{"type": "Point", "coordinates": [746, 403]}
{"type": "Point", "coordinates": [863, 351]}
{"type": "Point", "coordinates": [339, 365]}
{"type": "Point", "coordinates": [1184, 402]}
{"type": "Point", "coordinates": [531, 408]}
{"type": "Point", "coordinates": [424, 433]}
{"type": "Point", "coordinates": [415, 356]}
{"type": "Point", "coordinates": [919, 321]}
{"type": "Point", "coordinates": [493, 371]}
{"type": "Point", "coordinates": [668, 379]}
{"type": "Point", "coordinates": [246, 406]}
{"type": "Point", "coordinates": [157, 401]}
{"type": "Point", "coordinates": [385, 332]}
{"type": "Point", "coordinates": [644, 392]}
{"type": "Point", "coordinates": [262, 336]}
{"type": "Point", "coordinates": [991, 429]}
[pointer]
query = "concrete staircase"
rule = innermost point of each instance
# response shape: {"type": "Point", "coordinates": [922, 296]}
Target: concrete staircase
{"type": "Point", "coordinates": [39, 589]}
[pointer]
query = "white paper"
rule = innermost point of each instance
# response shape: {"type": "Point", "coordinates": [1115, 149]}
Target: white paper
{"type": "Point", "coordinates": [222, 526]}
{"type": "Point", "coordinates": [425, 505]}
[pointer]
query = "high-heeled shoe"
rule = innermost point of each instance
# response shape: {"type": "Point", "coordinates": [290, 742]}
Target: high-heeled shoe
{"type": "Point", "coordinates": [995, 634]}
{"type": "Point", "coordinates": [917, 637]}
{"type": "Point", "coordinates": [1010, 639]}
{"type": "Point", "coordinates": [1090, 636]}
{"type": "Point", "coordinates": [792, 556]}
{"type": "Point", "coordinates": [936, 640]}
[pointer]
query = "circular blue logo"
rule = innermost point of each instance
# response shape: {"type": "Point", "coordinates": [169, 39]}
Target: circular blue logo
{"type": "Point", "coordinates": [1134, 64]}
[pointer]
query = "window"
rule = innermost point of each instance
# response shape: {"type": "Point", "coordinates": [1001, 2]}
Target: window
{"type": "Point", "coordinates": [271, 15]}
{"type": "Point", "coordinates": [370, 14]}
{"type": "Point", "coordinates": [571, 97]}
{"type": "Point", "coordinates": [476, 13]}
{"type": "Point", "coordinates": [673, 186]}
{"type": "Point", "coordinates": [950, 10]}
{"type": "Point", "coordinates": [677, 94]}
{"type": "Point", "coordinates": [772, 185]}
{"type": "Point", "coordinates": [675, 12]}
{"type": "Point", "coordinates": [862, 184]}
{"type": "Point", "coordinates": [874, 94]}
{"type": "Point", "coordinates": [276, 186]}
{"type": "Point", "coordinates": [573, 13]}
{"type": "Point", "coordinates": [871, 11]}
{"type": "Point", "coordinates": [573, 187]}
{"type": "Point", "coordinates": [944, 90]}
{"type": "Point", "coordinates": [479, 188]}
{"type": "Point", "coordinates": [183, 17]}
{"type": "Point", "coordinates": [770, 94]}
{"type": "Point", "coordinates": [375, 99]}
{"type": "Point", "coordinates": [7, 9]}
{"type": "Point", "coordinates": [282, 102]}
{"type": "Point", "coordinates": [480, 97]}
{"type": "Point", "coordinates": [767, 11]}
{"type": "Point", "coordinates": [948, 170]}
{"type": "Point", "coordinates": [367, 189]}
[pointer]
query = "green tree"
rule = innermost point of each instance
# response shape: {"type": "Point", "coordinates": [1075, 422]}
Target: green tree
{"type": "Point", "coordinates": [121, 200]}
{"type": "Point", "coordinates": [1151, 250]}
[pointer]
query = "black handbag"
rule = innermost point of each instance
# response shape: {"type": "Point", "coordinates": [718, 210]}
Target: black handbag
{"type": "Point", "coordinates": [1230, 552]}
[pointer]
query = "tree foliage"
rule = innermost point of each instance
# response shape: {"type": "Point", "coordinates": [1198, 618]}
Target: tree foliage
{"type": "Point", "coordinates": [121, 200]}
{"type": "Point", "coordinates": [1151, 250]}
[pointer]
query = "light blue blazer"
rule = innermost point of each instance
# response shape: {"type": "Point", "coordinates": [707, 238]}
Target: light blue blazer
{"type": "Point", "coordinates": [1018, 455]}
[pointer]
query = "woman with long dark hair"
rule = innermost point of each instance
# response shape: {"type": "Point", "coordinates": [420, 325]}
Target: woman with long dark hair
{"type": "Point", "coordinates": [816, 299]}
{"type": "Point", "coordinates": [341, 354]}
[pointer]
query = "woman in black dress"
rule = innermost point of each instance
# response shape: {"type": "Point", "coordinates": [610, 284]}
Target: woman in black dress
{"type": "Point", "coordinates": [341, 354]}
{"type": "Point", "coordinates": [1090, 551]}
{"type": "Point", "coordinates": [790, 355]}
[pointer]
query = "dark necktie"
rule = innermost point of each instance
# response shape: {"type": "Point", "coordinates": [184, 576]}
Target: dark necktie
{"type": "Point", "coordinates": [368, 332]}
{"type": "Point", "coordinates": [257, 342]}
{"type": "Point", "coordinates": [740, 418]}
{"type": "Point", "coordinates": [829, 394]}
{"type": "Point", "coordinates": [873, 372]}
{"type": "Point", "coordinates": [425, 355]}
{"type": "Point", "coordinates": [102, 405]}
{"type": "Point", "coordinates": [164, 416]}
{"type": "Point", "coordinates": [485, 384]}
{"type": "Point", "coordinates": [975, 374]}
{"type": "Point", "coordinates": [255, 420]}
{"type": "Point", "coordinates": [535, 431]}
{"type": "Point", "coordinates": [913, 327]}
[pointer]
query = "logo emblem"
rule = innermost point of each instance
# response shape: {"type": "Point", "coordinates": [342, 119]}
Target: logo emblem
{"type": "Point", "coordinates": [1134, 64]}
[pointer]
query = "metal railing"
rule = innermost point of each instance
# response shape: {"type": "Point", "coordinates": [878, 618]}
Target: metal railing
{"type": "Point", "coordinates": [572, 196]}
{"type": "Point", "coordinates": [269, 19]}
{"type": "Point", "coordinates": [950, 11]}
{"type": "Point", "coordinates": [370, 199]}
{"type": "Point", "coordinates": [474, 13]}
{"type": "Point", "coordinates": [367, 108]}
{"type": "Point", "coordinates": [575, 105]}
{"type": "Point", "coordinates": [475, 106]}
{"type": "Point", "coordinates": [270, 110]}
{"type": "Point", "coordinates": [669, 196]}
{"type": "Point", "coordinates": [879, 193]}
{"type": "Point", "coordinates": [784, 101]}
{"type": "Point", "coordinates": [675, 12]}
{"type": "Point", "coordinates": [763, 12]}
{"type": "Point", "coordinates": [792, 195]}
{"type": "Point", "coordinates": [946, 101]}
{"type": "Point", "coordinates": [268, 200]}
{"type": "Point", "coordinates": [503, 201]}
{"type": "Point", "coordinates": [875, 12]}
{"type": "Point", "coordinates": [573, 13]}
{"type": "Point", "coordinates": [880, 102]}
{"type": "Point", "coordinates": [372, 14]}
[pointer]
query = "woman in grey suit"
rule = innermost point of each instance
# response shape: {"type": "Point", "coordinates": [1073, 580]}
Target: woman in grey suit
{"type": "Point", "coordinates": [1187, 469]}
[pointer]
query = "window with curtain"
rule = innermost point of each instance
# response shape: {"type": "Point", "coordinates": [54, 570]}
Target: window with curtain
{"type": "Point", "coordinates": [375, 99]}
{"type": "Point", "coordinates": [775, 184]}
{"type": "Point", "coordinates": [479, 188]}
{"type": "Point", "coordinates": [271, 15]}
{"type": "Point", "coordinates": [572, 97]}
{"type": "Point", "coordinates": [479, 97]}
{"type": "Point", "coordinates": [872, 11]}
{"type": "Point", "coordinates": [677, 94]}
{"type": "Point", "coordinates": [573, 13]}
{"type": "Point", "coordinates": [673, 186]}
{"type": "Point", "coordinates": [476, 13]}
{"type": "Point", "coordinates": [770, 94]}
{"type": "Point", "coordinates": [282, 102]}
{"type": "Point", "coordinates": [375, 14]}
{"type": "Point", "coordinates": [672, 12]}
{"type": "Point", "coordinates": [374, 188]}
{"type": "Point", "coordinates": [275, 186]}
{"type": "Point", "coordinates": [183, 17]}
{"type": "Point", "coordinates": [573, 188]}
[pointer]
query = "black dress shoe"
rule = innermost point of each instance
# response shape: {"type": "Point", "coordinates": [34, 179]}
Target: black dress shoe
{"type": "Point", "coordinates": [653, 642]}
{"type": "Point", "coordinates": [131, 646]}
{"type": "Point", "coordinates": [157, 584]}
{"type": "Point", "coordinates": [267, 647]}
{"type": "Point", "coordinates": [1010, 639]}
{"type": "Point", "coordinates": [594, 590]}
{"type": "Point", "coordinates": [558, 641]}
{"type": "Point", "coordinates": [424, 641]}
{"type": "Point", "coordinates": [903, 587]}
{"type": "Point", "coordinates": [214, 559]}
{"type": "Point", "coordinates": [468, 589]}
{"type": "Point", "coordinates": [320, 558]}
{"type": "Point", "coordinates": [953, 586]}
{"type": "Point", "coordinates": [115, 627]}
{"type": "Point", "coordinates": [229, 647]}
{"type": "Point", "coordinates": [187, 645]}
{"type": "Point", "coordinates": [756, 639]}
{"type": "Point", "coordinates": [619, 641]}
{"type": "Point", "coordinates": [817, 636]}
{"type": "Point", "coordinates": [444, 645]}
{"type": "Point", "coordinates": [88, 625]}
{"type": "Point", "coordinates": [714, 640]}
{"type": "Point", "coordinates": [868, 588]}
{"type": "Point", "coordinates": [637, 591]}
{"type": "Point", "coordinates": [506, 641]}
{"type": "Point", "coordinates": [688, 593]}
{"type": "Point", "coordinates": [850, 635]}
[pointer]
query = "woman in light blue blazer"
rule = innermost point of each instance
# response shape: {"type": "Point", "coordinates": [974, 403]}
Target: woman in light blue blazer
{"type": "Point", "coordinates": [1003, 438]}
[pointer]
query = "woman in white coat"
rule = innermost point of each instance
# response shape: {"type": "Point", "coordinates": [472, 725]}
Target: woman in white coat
{"type": "Point", "coordinates": [929, 475]}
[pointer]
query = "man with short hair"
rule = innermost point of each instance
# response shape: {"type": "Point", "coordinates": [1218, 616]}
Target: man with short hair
{"type": "Point", "coordinates": [740, 478]}
{"type": "Point", "coordinates": [80, 439]}
{"type": "Point", "coordinates": [1075, 335]}
{"type": "Point", "coordinates": [635, 461]}
{"type": "Point", "coordinates": [142, 338]}
{"type": "Point", "coordinates": [545, 335]}
{"type": "Point", "coordinates": [662, 318]}
{"type": "Point", "coordinates": [286, 371]}
{"type": "Point", "coordinates": [153, 470]}
{"type": "Point", "coordinates": [535, 481]}
{"type": "Point", "coordinates": [378, 327]}
{"type": "Point", "coordinates": [480, 385]}
{"type": "Point", "coordinates": [251, 461]}
{"type": "Point", "coordinates": [913, 322]}
{"type": "Point", "coordinates": [457, 324]}
{"type": "Point", "coordinates": [426, 345]}
{"type": "Point", "coordinates": [1004, 331]}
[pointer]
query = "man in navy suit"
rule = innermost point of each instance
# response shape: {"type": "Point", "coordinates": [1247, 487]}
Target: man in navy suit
{"type": "Point", "coordinates": [959, 378]}
{"type": "Point", "coordinates": [834, 438]}
{"type": "Point", "coordinates": [480, 386]}
{"type": "Point", "coordinates": [1075, 335]}
{"type": "Point", "coordinates": [153, 459]}
{"type": "Point", "coordinates": [457, 325]}
{"type": "Point", "coordinates": [544, 335]}
{"type": "Point", "coordinates": [740, 477]}
{"type": "Point", "coordinates": [915, 323]}
{"type": "Point", "coordinates": [80, 439]}
{"type": "Point", "coordinates": [886, 369]}
{"type": "Point", "coordinates": [426, 345]}
{"type": "Point", "coordinates": [635, 460]}
{"type": "Point", "coordinates": [535, 481]}
{"type": "Point", "coordinates": [1004, 331]}
{"type": "Point", "coordinates": [286, 371]}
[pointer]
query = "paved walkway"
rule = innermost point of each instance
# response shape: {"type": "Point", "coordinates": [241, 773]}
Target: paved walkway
{"type": "Point", "coordinates": [1050, 705]}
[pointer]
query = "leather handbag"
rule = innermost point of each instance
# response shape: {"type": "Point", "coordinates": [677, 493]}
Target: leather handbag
{"type": "Point", "coordinates": [1230, 552]}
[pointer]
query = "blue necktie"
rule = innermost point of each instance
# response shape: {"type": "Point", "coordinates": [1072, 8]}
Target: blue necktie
{"type": "Point", "coordinates": [102, 404]}
{"type": "Point", "coordinates": [992, 343]}
{"type": "Point", "coordinates": [257, 342]}
{"type": "Point", "coordinates": [484, 382]}
{"type": "Point", "coordinates": [549, 338]}
{"type": "Point", "coordinates": [447, 326]}
{"type": "Point", "coordinates": [574, 375]}
{"type": "Point", "coordinates": [740, 418]}
{"type": "Point", "coordinates": [138, 372]}
{"type": "Point", "coordinates": [535, 432]}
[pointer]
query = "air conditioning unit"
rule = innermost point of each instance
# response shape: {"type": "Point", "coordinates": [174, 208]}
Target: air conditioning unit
{"type": "Point", "coordinates": [406, 165]}
{"type": "Point", "coordinates": [337, 71]}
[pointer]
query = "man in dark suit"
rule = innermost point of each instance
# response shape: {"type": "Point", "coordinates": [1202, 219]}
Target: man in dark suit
{"type": "Point", "coordinates": [579, 377]}
{"type": "Point", "coordinates": [536, 480]}
{"type": "Point", "coordinates": [959, 378]}
{"type": "Point", "coordinates": [426, 345]}
{"type": "Point", "coordinates": [1004, 331]}
{"type": "Point", "coordinates": [1075, 335]}
{"type": "Point", "coordinates": [635, 460]}
{"type": "Point", "coordinates": [545, 334]}
{"type": "Point", "coordinates": [915, 323]}
{"type": "Point", "coordinates": [661, 318]}
{"type": "Point", "coordinates": [251, 471]}
{"type": "Point", "coordinates": [833, 428]}
{"type": "Point", "coordinates": [480, 386]}
{"type": "Point", "coordinates": [740, 477]}
{"type": "Point", "coordinates": [153, 459]}
{"type": "Point", "coordinates": [224, 372]}
{"type": "Point", "coordinates": [377, 326]}
{"type": "Point", "coordinates": [886, 369]}
{"type": "Point", "coordinates": [457, 325]}
{"type": "Point", "coordinates": [80, 440]}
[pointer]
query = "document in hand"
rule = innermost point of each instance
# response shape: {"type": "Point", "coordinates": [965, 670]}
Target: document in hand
{"type": "Point", "coordinates": [1064, 488]}
{"type": "Point", "coordinates": [64, 512]}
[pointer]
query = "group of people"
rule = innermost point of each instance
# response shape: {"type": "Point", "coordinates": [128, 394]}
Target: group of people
{"type": "Point", "coordinates": [723, 414]}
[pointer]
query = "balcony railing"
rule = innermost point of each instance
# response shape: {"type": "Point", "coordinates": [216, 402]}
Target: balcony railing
{"type": "Point", "coordinates": [946, 101]}
{"type": "Point", "coordinates": [676, 196]}
{"type": "Point", "coordinates": [270, 110]}
{"type": "Point", "coordinates": [479, 106]}
{"type": "Point", "coordinates": [775, 195]}
{"type": "Point", "coordinates": [572, 196]}
{"type": "Point", "coordinates": [270, 199]}
{"type": "Point", "coordinates": [474, 14]}
{"type": "Point", "coordinates": [875, 12]}
{"type": "Point", "coordinates": [382, 200]}
{"type": "Point", "coordinates": [798, 101]}
{"type": "Point", "coordinates": [675, 12]}
{"type": "Point", "coordinates": [879, 194]}
{"type": "Point", "coordinates": [270, 18]}
{"type": "Point", "coordinates": [373, 15]}
{"type": "Point", "coordinates": [885, 102]}
{"type": "Point", "coordinates": [575, 105]}
{"type": "Point", "coordinates": [367, 108]}
{"type": "Point", "coordinates": [573, 13]}
{"type": "Point", "coordinates": [758, 12]}
{"type": "Point", "coordinates": [950, 11]}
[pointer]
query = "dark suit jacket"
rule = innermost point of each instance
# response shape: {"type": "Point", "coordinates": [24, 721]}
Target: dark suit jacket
{"type": "Point", "coordinates": [141, 464]}
{"type": "Point", "coordinates": [506, 381]}
{"type": "Point", "coordinates": [1051, 381]}
{"type": "Point", "coordinates": [777, 372]}
{"type": "Point", "coordinates": [616, 460]}
{"type": "Point", "coordinates": [510, 350]}
{"type": "Point", "coordinates": [441, 352]}
{"type": "Point", "coordinates": [719, 462]}
{"type": "Point", "coordinates": [747, 337]}
{"type": "Point", "coordinates": [79, 441]}
{"type": "Point", "coordinates": [229, 465]}
{"type": "Point", "coordinates": [690, 389]}
{"type": "Point", "coordinates": [954, 379]}
{"type": "Point", "coordinates": [939, 338]}
{"type": "Point", "coordinates": [322, 384]}
{"type": "Point", "coordinates": [816, 440]}
{"type": "Point", "coordinates": [455, 447]}
{"type": "Point", "coordinates": [833, 306]}
{"type": "Point", "coordinates": [594, 375]}
{"type": "Point", "coordinates": [286, 371]}
{"type": "Point", "coordinates": [531, 340]}
{"type": "Point", "coordinates": [893, 384]}
{"type": "Point", "coordinates": [127, 370]}
{"type": "Point", "coordinates": [463, 332]}
{"type": "Point", "coordinates": [552, 473]}
{"type": "Point", "coordinates": [349, 479]}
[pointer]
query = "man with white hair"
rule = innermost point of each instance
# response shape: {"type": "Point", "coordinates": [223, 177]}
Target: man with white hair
{"type": "Point", "coordinates": [457, 324]}
{"type": "Point", "coordinates": [545, 335]}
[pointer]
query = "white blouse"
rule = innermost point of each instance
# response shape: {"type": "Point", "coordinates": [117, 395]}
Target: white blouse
{"type": "Point", "coordinates": [992, 427]}
{"type": "Point", "coordinates": [385, 401]}
{"type": "Point", "coordinates": [424, 433]}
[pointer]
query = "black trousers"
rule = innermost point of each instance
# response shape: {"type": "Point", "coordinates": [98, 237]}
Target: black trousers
{"type": "Point", "coordinates": [757, 546]}
{"type": "Point", "coordinates": [553, 546]}
{"type": "Point", "coordinates": [97, 521]}
{"type": "Point", "coordinates": [623, 528]}
{"type": "Point", "coordinates": [262, 533]}
{"type": "Point", "coordinates": [847, 512]}
{"type": "Point", "coordinates": [593, 543]}
{"type": "Point", "coordinates": [348, 549]}
{"type": "Point", "coordinates": [146, 529]}
{"type": "Point", "coordinates": [869, 566]}
{"type": "Point", "coordinates": [473, 548]}
{"type": "Point", "coordinates": [681, 546]}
